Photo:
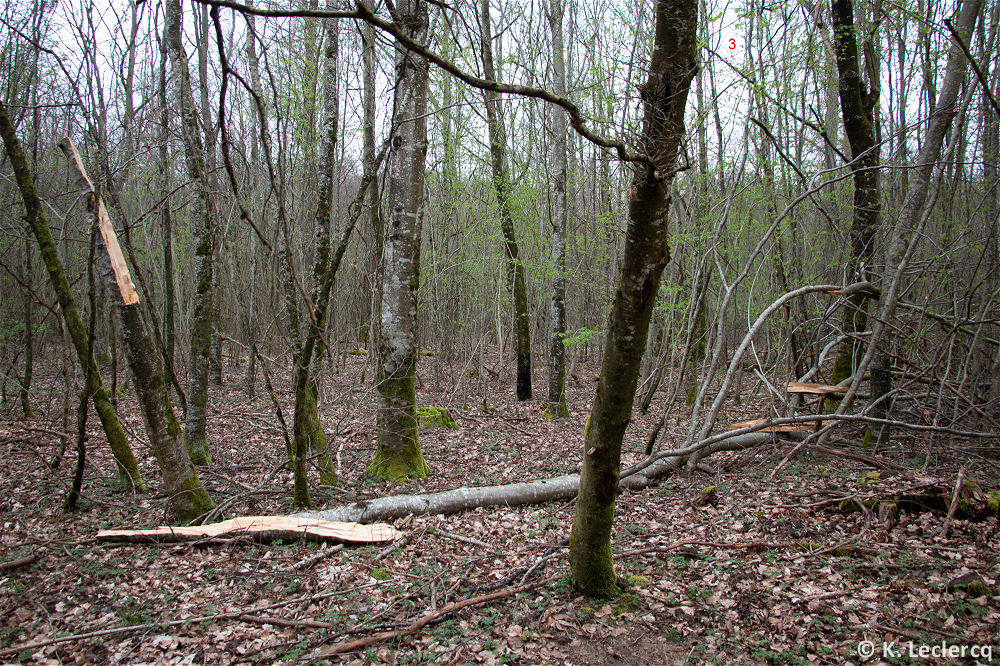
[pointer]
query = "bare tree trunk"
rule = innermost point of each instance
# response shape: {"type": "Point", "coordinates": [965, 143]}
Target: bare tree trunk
{"type": "Point", "coordinates": [398, 454]}
{"type": "Point", "coordinates": [991, 159]}
{"type": "Point", "coordinates": [672, 66]}
{"type": "Point", "coordinates": [127, 466]}
{"type": "Point", "coordinates": [307, 429]}
{"type": "Point", "coordinates": [557, 312]}
{"type": "Point", "coordinates": [858, 105]}
{"type": "Point", "coordinates": [201, 213]}
{"type": "Point", "coordinates": [373, 271]}
{"type": "Point", "coordinates": [29, 335]}
{"type": "Point", "coordinates": [167, 240]}
{"type": "Point", "coordinates": [515, 268]}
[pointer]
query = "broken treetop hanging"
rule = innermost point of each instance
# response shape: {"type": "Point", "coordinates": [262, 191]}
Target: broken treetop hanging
{"type": "Point", "coordinates": [118, 265]}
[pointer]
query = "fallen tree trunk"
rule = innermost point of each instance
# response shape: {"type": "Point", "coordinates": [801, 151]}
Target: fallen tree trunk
{"type": "Point", "coordinates": [531, 492]}
{"type": "Point", "coordinates": [452, 501]}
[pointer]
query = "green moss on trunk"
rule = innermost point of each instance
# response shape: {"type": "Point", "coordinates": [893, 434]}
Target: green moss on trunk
{"type": "Point", "coordinates": [398, 455]}
{"type": "Point", "coordinates": [400, 465]}
{"type": "Point", "coordinates": [590, 548]}
{"type": "Point", "coordinates": [434, 417]}
{"type": "Point", "coordinates": [318, 441]}
{"type": "Point", "coordinates": [128, 467]}
{"type": "Point", "coordinates": [672, 66]}
{"type": "Point", "coordinates": [187, 496]}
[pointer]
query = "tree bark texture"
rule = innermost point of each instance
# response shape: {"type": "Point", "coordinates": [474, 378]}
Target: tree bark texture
{"type": "Point", "coordinates": [201, 215]}
{"type": "Point", "coordinates": [672, 66]}
{"type": "Point", "coordinates": [858, 107]}
{"type": "Point", "coordinates": [167, 236]}
{"type": "Point", "coordinates": [128, 467]}
{"type": "Point", "coordinates": [373, 265]}
{"type": "Point", "coordinates": [185, 493]}
{"type": "Point", "coordinates": [515, 268]}
{"type": "Point", "coordinates": [557, 311]}
{"type": "Point", "coordinates": [398, 454]}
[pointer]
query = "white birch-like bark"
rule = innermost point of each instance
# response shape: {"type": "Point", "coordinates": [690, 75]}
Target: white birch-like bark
{"type": "Point", "coordinates": [398, 454]}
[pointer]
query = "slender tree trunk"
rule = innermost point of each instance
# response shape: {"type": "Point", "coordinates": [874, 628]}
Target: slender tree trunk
{"type": "Point", "coordinates": [307, 430]}
{"type": "Point", "coordinates": [398, 454]}
{"type": "Point", "coordinates": [990, 138]}
{"type": "Point", "coordinates": [201, 213]}
{"type": "Point", "coordinates": [672, 66]}
{"type": "Point", "coordinates": [254, 64]}
{"type": "Point", "coordinates": [557, 312]}
{"type": "Point", "coordinates": [858, 105]}
{"type": "Point", "coordinates": [694, 353]}
{"type": "Point", "coordinates": [166, 222]}
{"type": "Point", "coordinates": [515, 268]}
{"type": "Point", "coordinates": [202, 39]}
{"type": "Point", "coordinates": [373, 270]}
{"type": "Point", "coordinates": [127, 466]}
{"type": "Point", "coordinates": [29, 335]}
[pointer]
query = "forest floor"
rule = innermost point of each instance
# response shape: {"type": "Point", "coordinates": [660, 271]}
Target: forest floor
{"type": "Point", "coordinates": [772, 572]}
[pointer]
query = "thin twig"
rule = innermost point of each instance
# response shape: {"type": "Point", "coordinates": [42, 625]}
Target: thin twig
{"type": "Point", "coordinates": [954, 504]}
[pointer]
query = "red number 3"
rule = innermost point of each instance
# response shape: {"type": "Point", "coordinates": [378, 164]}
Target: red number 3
{"type": "Point", "coordinates": [732, 44]}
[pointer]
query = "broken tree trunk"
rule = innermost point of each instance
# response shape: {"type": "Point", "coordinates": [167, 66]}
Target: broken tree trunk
{"type": "Point", "coordinates": [128, 468]}
{"type": "Point", "coordinates": [184, 490]}
{"type": "Point", "coordinates": [259, 528]}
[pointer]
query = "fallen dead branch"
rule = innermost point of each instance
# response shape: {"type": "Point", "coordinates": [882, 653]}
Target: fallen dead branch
{"type": "Point", "coordinates": [313, 559]}
{"type": "Point", "coordinates": [424, 620]}
{"type": "Point", "coordinates": [173, 623]}
{"type": "Point", "coordinates": [954, 504]}
{"type": "Point", "coordinates": [16, 564]}
{"type": "Point", "coordinates": [877, 463]}
{"type": "Point", "coordinates": [751, 545]}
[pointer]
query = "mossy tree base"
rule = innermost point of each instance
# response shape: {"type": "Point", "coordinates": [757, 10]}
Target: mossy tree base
{"type": "Point", "coordinates": [557, 410]}
{"type": "Point", "coordinates": [317, 439]}
{"type": "Point", "coordinates": [590, 551]}
{"type": "Point", "coordinates": [399, 466]}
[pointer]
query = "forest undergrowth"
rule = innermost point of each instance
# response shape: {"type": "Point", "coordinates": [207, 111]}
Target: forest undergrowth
{"type": "Point", "coordinates": [794, 568]}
